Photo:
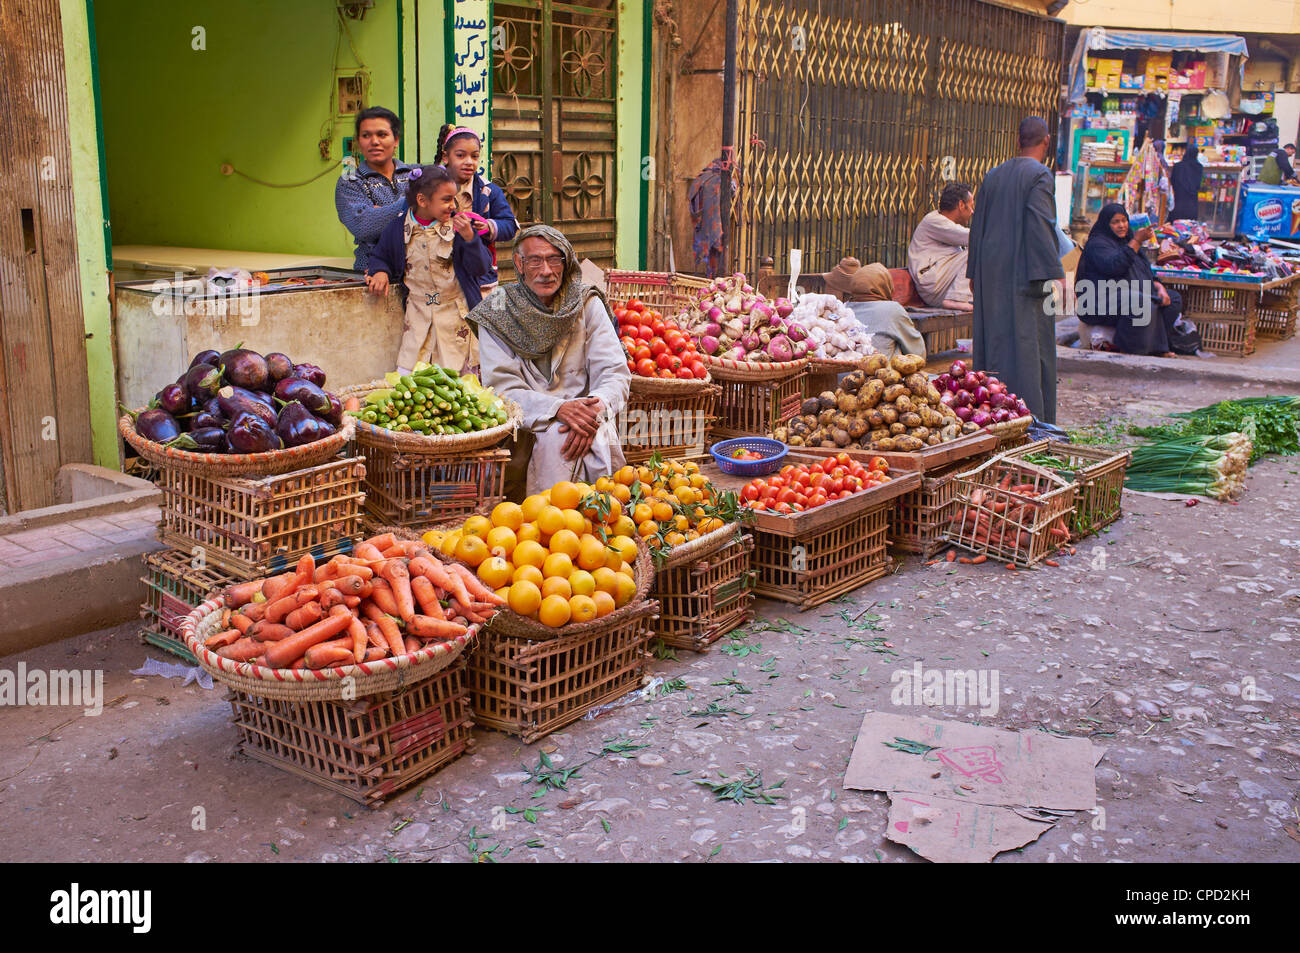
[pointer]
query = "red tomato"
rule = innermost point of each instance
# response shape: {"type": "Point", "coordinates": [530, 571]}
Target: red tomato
{"type": "Point", "coordinates": [758, 505]}
{"type": "Point", "coordinates": [685, 374]}
{"type": "Point", "coordinates": [769, 493]}
{"type": "Point", "coordinates": [817, 499]}
{"type": "Point", "coordinates": [786, 495]}
{"type": "Point", "coordinates": [835, 485]}
{"type": "Point", "coordinates": [658, 326]}
{"type": "Point", "coordinates": [642, 353]}
{"type": "Point", "coordinates": [644, 333]}
{"type": "Point", "coordinates": [631, 367]}
{"type": "Point", "coordinates": [787, 468]}
{"type": "Point", "coordinates": [629, 343]}
{"type": "Point", "coordinates": [658, 347]}
{"type": "Point", "coordinates": [635, 305]}
{"type": "Point", "coordinates": [620, 315]}
{"type": "Point", "coordinates": [801, 499]}
{"type": "Point", "coordinates": [853, 483]}
{"type": "Point", "coordinates": [698, 370]}
{"type": "Point", "coordinates": [879, 463]}
{"type": "Point", "coordinates": [817, 479]}
{"type": "Point", "coordinates": [666, 374]}
{"type": "Point", "coordinates": [646, 367]}
{"type": "Point", "coordinates": [843, 458]}
{"type": "Point", "coordinates": [782, 508]}
{"type": "Point", "coordinates": [779, 480]}
{"type": "Point", "coordinates": [750, 492]}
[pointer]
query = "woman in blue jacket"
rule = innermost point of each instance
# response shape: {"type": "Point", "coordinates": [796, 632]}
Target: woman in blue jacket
{"type": "Point", "coordinates": [459, 150]}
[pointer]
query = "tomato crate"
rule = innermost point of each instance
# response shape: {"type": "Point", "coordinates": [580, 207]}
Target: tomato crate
{"type": "Point", "coordinates": [252, 528]}
{"type": "Point", "coordinates": [1017, 527]}
{"type": "Point", "coordinates": [530, 688]}
{"type": "Point", "coordinates": [1098, 475]}
{"type": "Point", "coordinates": [368, 749]}
{"type": "Point", "coordinates": [815, 566]}
{"type": "Point", "coordinates": [754, 408]}
{"type": "Point", "coordinates": [705, 593]}
{"type": "Point", "coordinates": [672, 425]}
{"type": "Point", "coordinates": [411, 488]}
{"type": "Point", "coordinates": [666, 292]}
{"type": "Point", "coordinates": [176, 583]}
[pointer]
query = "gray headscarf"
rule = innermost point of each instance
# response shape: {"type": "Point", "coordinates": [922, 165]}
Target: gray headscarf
{"type": "Point", "coordinates": [517, 316]}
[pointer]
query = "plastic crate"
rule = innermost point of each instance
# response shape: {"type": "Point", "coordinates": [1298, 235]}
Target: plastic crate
{"type": "Point", "coordinates": [705, 597]}
{"type": "Point", "coordinates": [404, 488]}
{"type": "Point", "coordinates": [176, 583]}
{"type": "Point", "coordinates": [1025, 531]}
{"type": "Point", "coordinates": [670, 426]}
{"type": "Point", "coordinates": [1098, 475]}
{"type": "Point", "coordinates": [252, 528]}
{"type": "Point", "coordinates": [368, 749]}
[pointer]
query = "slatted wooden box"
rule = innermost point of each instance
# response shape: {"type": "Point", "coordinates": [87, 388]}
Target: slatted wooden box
{"type": "Point", "coordinates": [1098, 476]}
{"type": "Point", "coordinates": [670, 425]}
{"type": "Point", "coordinates": [175, 585]}
{"type": "Point", "coordinates": [408, 488]}
{"type": "Point", "coordinates": [705, 597]}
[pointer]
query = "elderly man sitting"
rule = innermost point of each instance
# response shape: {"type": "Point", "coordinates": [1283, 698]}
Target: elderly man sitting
{"type": "Point", "coordinates": [548, 343]}
{"type": "Point", "coordinates": [936, 256]}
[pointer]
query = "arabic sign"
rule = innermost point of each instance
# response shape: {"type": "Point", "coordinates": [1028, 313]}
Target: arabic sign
{"type": "Point", "coordinates": [472, 70]}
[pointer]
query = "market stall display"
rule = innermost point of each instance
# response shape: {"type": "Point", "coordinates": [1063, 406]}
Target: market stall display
{"type": "Point", "coordinates": [1011, 510]}
{"type": "Point", "coordinates": [919, 521]}
{"type": "Point", "coordinates": [704, 589]}
{"type": "Point", "coordinates": [431, 401]}
{"type": "Point", "coordinates": [1096, 472]}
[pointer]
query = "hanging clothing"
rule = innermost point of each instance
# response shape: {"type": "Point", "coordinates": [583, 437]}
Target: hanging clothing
{"type": "Point", "coordinates": [705, 197]}
{"type": "Point", "coordinates": [1146, 182]}
{"type": "Point", "coordinates": [1012, 263]}
{"type": "Point", "coordinates": [936, 260]}
{"type": "Point", "coordinates": [1185, 179]}
{"type": "Point", "coordinates": [1115, 288]}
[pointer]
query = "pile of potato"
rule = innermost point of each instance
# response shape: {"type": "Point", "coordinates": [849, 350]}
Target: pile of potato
{"type": "Point", "coordinates": [888, 404]}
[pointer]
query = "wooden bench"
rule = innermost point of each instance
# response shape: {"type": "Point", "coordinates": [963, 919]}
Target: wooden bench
{"type": "Point", "coordinates": [940, 327]}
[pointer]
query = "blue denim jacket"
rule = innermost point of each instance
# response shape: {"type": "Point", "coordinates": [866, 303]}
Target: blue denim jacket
{"type": "Point", "coordinates": [366, 202]}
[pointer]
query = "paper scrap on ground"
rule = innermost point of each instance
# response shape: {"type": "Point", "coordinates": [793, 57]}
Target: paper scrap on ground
{"type": "Point", "coordinates": [191, 673]}
{"type": "Point", "coordinates": [959, 792]}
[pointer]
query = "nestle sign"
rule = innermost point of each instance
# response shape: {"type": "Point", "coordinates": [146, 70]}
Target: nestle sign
{"type": "Point", "coordinates": [1270, 211]}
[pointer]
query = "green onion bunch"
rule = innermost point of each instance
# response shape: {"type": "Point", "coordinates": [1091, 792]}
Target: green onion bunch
{"type": "Point", "coordinates": [1213, 465]}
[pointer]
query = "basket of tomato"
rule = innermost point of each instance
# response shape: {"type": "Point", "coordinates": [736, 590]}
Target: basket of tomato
{"type": "Point", "coordinates": [661, 356]}
{"type": "Point", "coordinates": [810, 483]}
{"type": "Point", "coordinates": [748, 456]}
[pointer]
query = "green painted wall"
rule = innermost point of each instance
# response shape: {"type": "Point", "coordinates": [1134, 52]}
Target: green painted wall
{"type": "Point", "coordinates": [258, 97]}
{"type": "Point", "coordinates": [632, 145]}
{"type": "Point", "coordinates": [91, 248]}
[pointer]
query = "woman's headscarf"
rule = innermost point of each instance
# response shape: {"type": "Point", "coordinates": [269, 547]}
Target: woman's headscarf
{"type": "Point", "coordinates": [1102, 242]}
{"type": "Point", "coordinates": [1101, 227]}
{"type": "Point", "coordinates": [517, 316]}
{"type": "Point", "coordinates": [850, 280]}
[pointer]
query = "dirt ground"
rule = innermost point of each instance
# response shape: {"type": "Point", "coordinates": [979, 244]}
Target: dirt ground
{"type": "Point", "coordinates": [1145, 641]}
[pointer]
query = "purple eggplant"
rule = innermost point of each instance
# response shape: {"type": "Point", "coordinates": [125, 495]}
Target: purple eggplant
{"type": "Point", "coordinates": [335, 415]}
{"type": "Point", "coordinates": [305, 392]}
{"type": "Point", "coordinates": [157, 425]}
{"type": "Point", "coordinates": [278, 366]}
{"type": "Point", "coordinates": [249, 433]}
{"type": "Point", "coordinates": [203, 381]}
{"type": "Point", "coordinates": [298, 426]}
{"type": "Point", "coordinates": [234, 404]}
{"type": "Point", "coordinates": [309, 372]}
{"type": "Point", "coordinates": [206, 357]}
{"type": "Point", "coordinates": [204, 440]}
{"type": "Point", "coordinates": [262, 397]}
{"type": "Point", "coordinates": [174, 399]}
{"type": "Point", "coordinates": [245, 368]}
{"type": "Point", "coordinates": [203, 420]}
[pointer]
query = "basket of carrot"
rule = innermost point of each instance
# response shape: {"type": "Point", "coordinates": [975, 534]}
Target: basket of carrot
{"type": "Point", "coordinates": [1011, 510]}
{"type": "Point", "coordinates": [382, 618]}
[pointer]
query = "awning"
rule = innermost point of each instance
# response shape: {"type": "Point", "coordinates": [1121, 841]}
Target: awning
{"type": "Point", "coordinates": [1100, 38]}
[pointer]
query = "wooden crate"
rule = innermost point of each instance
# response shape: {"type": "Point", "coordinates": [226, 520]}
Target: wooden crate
{"type": "Point", "coordinates": [368, 749]}
{"type": "Point", "coordinates": [703, 599]}
{"type": "Point", "coordinates": [919, 521]}
{"type": "Point", "coordinates": [405, 488]}
{"type": "Point", "coordinates": [529, 688]}
{"type": "Point", "coordinates": [1226, 314]}
{"type": "Point", "coordinates": [252, 528]}
{"type": "Point", "coordinates": [1022, 539]}
{"type": "Point", "coordinates": [1098, 475]}
{"type": "Point", "coordinates": [666, 292]}
{"type": "Point", "coordinates": [755, 408]}
{"type": "Point", "coordinates": [815, 566]}
{"type": "Point", "coordinates": [670, 426]}
{"type": "Point", "coordinates": [176, 583]}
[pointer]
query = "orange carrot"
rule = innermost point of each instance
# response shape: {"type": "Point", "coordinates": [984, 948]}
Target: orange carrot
{"type": "Point", "coordinates": [374, 653]}
{"type": "Point", "coordinates": [477, 589]}
{"type": "Point", "coordinates": [269, 632]}
{"type": "Point", "coordinates": [349, 585]}
{"type": "Point", "coordinates": [381, 542]}
{"type": "Point", "coordinates": [464, 612]}
{"type": "Point", "coordinates": [352, 601]}
{"type": "Point", "coordinates": [323, 656]}
{"type": "Point", "coordinates": [330, 598]}
{"type": "Point", "coordinates": [241, 622]}
{"type": "Point", "coordinates": [411, 644]}
{"type": "Point", "coordinates": [374, 638]}
{"type": "Point", "coordinates": [244, 650]}
{"type": "Point", "coordinates": [399, 577]}
{"type": "Point", "coordinates": [437, 573]}
{"type": "Point", "coordinates": [952, 554]}
{"type": "Point", "coordinates": [381, 594]}
{"type": "Point", "coordinates": [286, 650]}
{"type": "Point", "coordinates": [934, 562]}
{"type": "Point", "coordinates": [255, 610]}
{"type": "Point", "coordinates": [298, 663]}
{"type": "Point", "coordinates": [276, 586]}
{"type": "Point", "coordinates": [1051, 562]}
{"type": "Point", "coordinates": [394, 552]}
{"type": "Point", "coordinates": [964, 560]}
{"type": "Point", "coordinates": [387, 627]}
{"type": "Point", "coordinates": [357, 569]}
{"type": "Point", "coordinates": [223, 638]}
{"type": "Point", "coordinates": [982, 557]}
{"type": "Point", "coordinates": [304, 616]}
{"type": "Point", "coordinates": [424, 593]}
{"type": "Point", "coordinates": [367, 552]}
{"type": "Point", "coordinates": [357, 630]}
{"type": "Point", "coordinates": [243, 593]}
{"type": "Point", "coordinates": [431, 627]}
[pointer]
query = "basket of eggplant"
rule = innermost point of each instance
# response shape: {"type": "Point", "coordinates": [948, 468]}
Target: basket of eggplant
{"type": "Point", "coordinates": [240, 413]}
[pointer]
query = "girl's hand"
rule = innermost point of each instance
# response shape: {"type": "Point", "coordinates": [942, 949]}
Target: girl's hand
{"type": "Point", "coordinates": [464, 226]}
{"type": "Point", "coordinates": [378, 283]}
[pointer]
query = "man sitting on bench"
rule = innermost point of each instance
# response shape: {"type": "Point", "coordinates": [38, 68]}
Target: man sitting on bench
{"type": "Point", "coordinates": [936, 256]}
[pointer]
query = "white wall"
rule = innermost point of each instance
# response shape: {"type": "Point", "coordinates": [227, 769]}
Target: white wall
{"type": "Point", "coordinates": [1286, 110]}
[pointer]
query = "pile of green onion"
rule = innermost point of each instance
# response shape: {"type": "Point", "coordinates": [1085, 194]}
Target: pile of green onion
{"type": "Point", "coordinates": [1213, 466]}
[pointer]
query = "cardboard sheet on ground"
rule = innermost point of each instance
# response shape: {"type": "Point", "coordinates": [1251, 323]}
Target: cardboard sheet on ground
{"type": "Point", "coordinates": [966, 797]}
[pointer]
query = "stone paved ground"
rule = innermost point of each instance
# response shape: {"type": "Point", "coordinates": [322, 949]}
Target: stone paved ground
{"type": "Point", "coordinates": [48, 543]}
{"type": "Point", "coordinates": [1143, 641]}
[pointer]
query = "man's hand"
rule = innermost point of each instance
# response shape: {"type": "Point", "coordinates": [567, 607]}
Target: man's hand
{"type": "Point", "coordinates": [463, 225]}
{"type": "Point", "coordinates": [576, 445]}
{"type": "Point", "coordinates": [582, 415]}
{"type": "Point", "coordinates": [1164, 295]}
{"type": "Point", "coordinates": [378, 283]}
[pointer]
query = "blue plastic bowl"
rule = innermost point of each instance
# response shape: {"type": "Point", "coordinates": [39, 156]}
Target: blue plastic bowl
{"type": "Point", "coordinates": [773, 451]}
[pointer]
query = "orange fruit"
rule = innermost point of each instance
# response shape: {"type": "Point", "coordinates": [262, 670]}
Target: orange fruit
{"type": "Point", "coordinates": [685, 494]}
{"type": "Point", "coordinates": [565, 495]}
{"type": "Point", "coordinates": [554, 611]}
{"type": "Point", "coordinates": [557, 564]}
{"type": "Point", "coordinates": [642, 512]}
{"type": "Point", "coordinates": [592, 553]}
{"type": "Point", "coordinates": [613, 557]}
{"type": "Point", "coordinates": [575, 521]}
{"type": "Point", "coordinates": [606, 580]}
{"type": "Point", "coordinates": [550, 520]}
{"type": "Point", "coordinates": [626, 590]}
{"type": "Point", "coordinates": [662, 511]}
{"type": "Point", "coordinates": [674, 539]}
{"type": "Point", "coordinates": [557, 586]}
{"type": "Point", "coordinates": [615, 511]}
{"type": "Point", "coordinates": [495, 572]}
{"type": "Point", "coordinates": [582, 609]}
{"type": "Point", "coordinates": [501, 541]}
{"type": "Point", "coordinates": [433, 538]}
{"type": "Point", "coordinates": [624, 527]}
{"type": "Point", "coordinates": [532, 506]}
{"type": "Point", "coordinates": [627, 570]}
{"type": "Point", "coordinates": [682, 523]}
{"type": "Point", "coordinates": [582, 583]}
{"type": "Point", "coordinates": [530, 553]}
{"type": "Point", "coordinates": [645, 474]}
{"type": "Point", "coordinates": [448, 546]}
{"type": "Point", "coordinates": [622, 494]}
{"type": "Point", "coordinates": [477, 526]}
{"type": "Point", "coordinates": [626, 476]}
{"type": "Point", "coordinates": [604, 603]}
{"type": "Point", "coordinates": [471, 550]}
{"type": "Point", "coordinates": [528, 531]}
{"type": "Point", "coordinates": [524, 597]}
{"type": "Point", "coordinates": [528, 574]}
{"type": "Point", "coordinates": [507, 514]}
{"type": "Point", "coordinates": [567, 542]}
{"type": "Point", "coordinates": [626, 547]}
{"type": "Point", "coordinates": [648, 528]}
{"type": "Point", "coordinates": [504, 593]}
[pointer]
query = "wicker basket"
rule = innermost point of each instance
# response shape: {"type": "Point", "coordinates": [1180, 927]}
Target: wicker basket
{"type": "Point", "coordinates": [919, 523]}
{"type": "Point", "coordinates": [252, 528]}
{"type": "Point", "coordinates": [370, 435]}
{"type": "Point", "coordinates": [662, 417]}
{"type": "Point", "coordinates": [755, 398]}
{"type": "Point", "coordinates": [175, 585]}
{"type": "Point", "coordinates": [824, 375]}
{"type": "Point", "coordinates": [1023, 539]}
{"type": "Point", "coordinates": [247, 465]}
{"type": "Point", "coordinates": [327, 684]}
{"type": "Point", "coordinates": [369, 749]}
{"type": "Point", "coordinates": [1098, 475]}
{"type": "Point", "coordinates": [1225, 316]}
{"type": "Point", "coordinates": [705, 589]}
{"type": "Point", "coordinates": [404, 488]}
{"type": "Point", "coordinates": [1011, 433]}
{"type": "Point", "coordinates": [666, 292]}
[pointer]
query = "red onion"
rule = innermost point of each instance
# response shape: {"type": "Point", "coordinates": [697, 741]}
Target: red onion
{"type": "Point", "coordinates": [958, 369]}
{"type": "Point", "coordinates": [961, 399]}
{"type": "Point", "coordinates": [942, 380]}
{"type": "Point", "coordinates": [996, 387]}
{"type": "Point", "coordinates": [970, 382]}
{"type": "Point", "coordinates": [954, 385]}
{"type": "Point", "coordinates": [981, 418]}
{"type": "Point", "coordinates": [946, 398]}
{"type": "Point", "coordinates": [963, 413]}
{"type": "Point", "coordinates": [981, 377]}
{"type": "Point", "coordinates": [1000, 416]}
{"type": "Point", "coordinates": [981, 394]}
{"type": "Point", "coordinates": [1022, 408]}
